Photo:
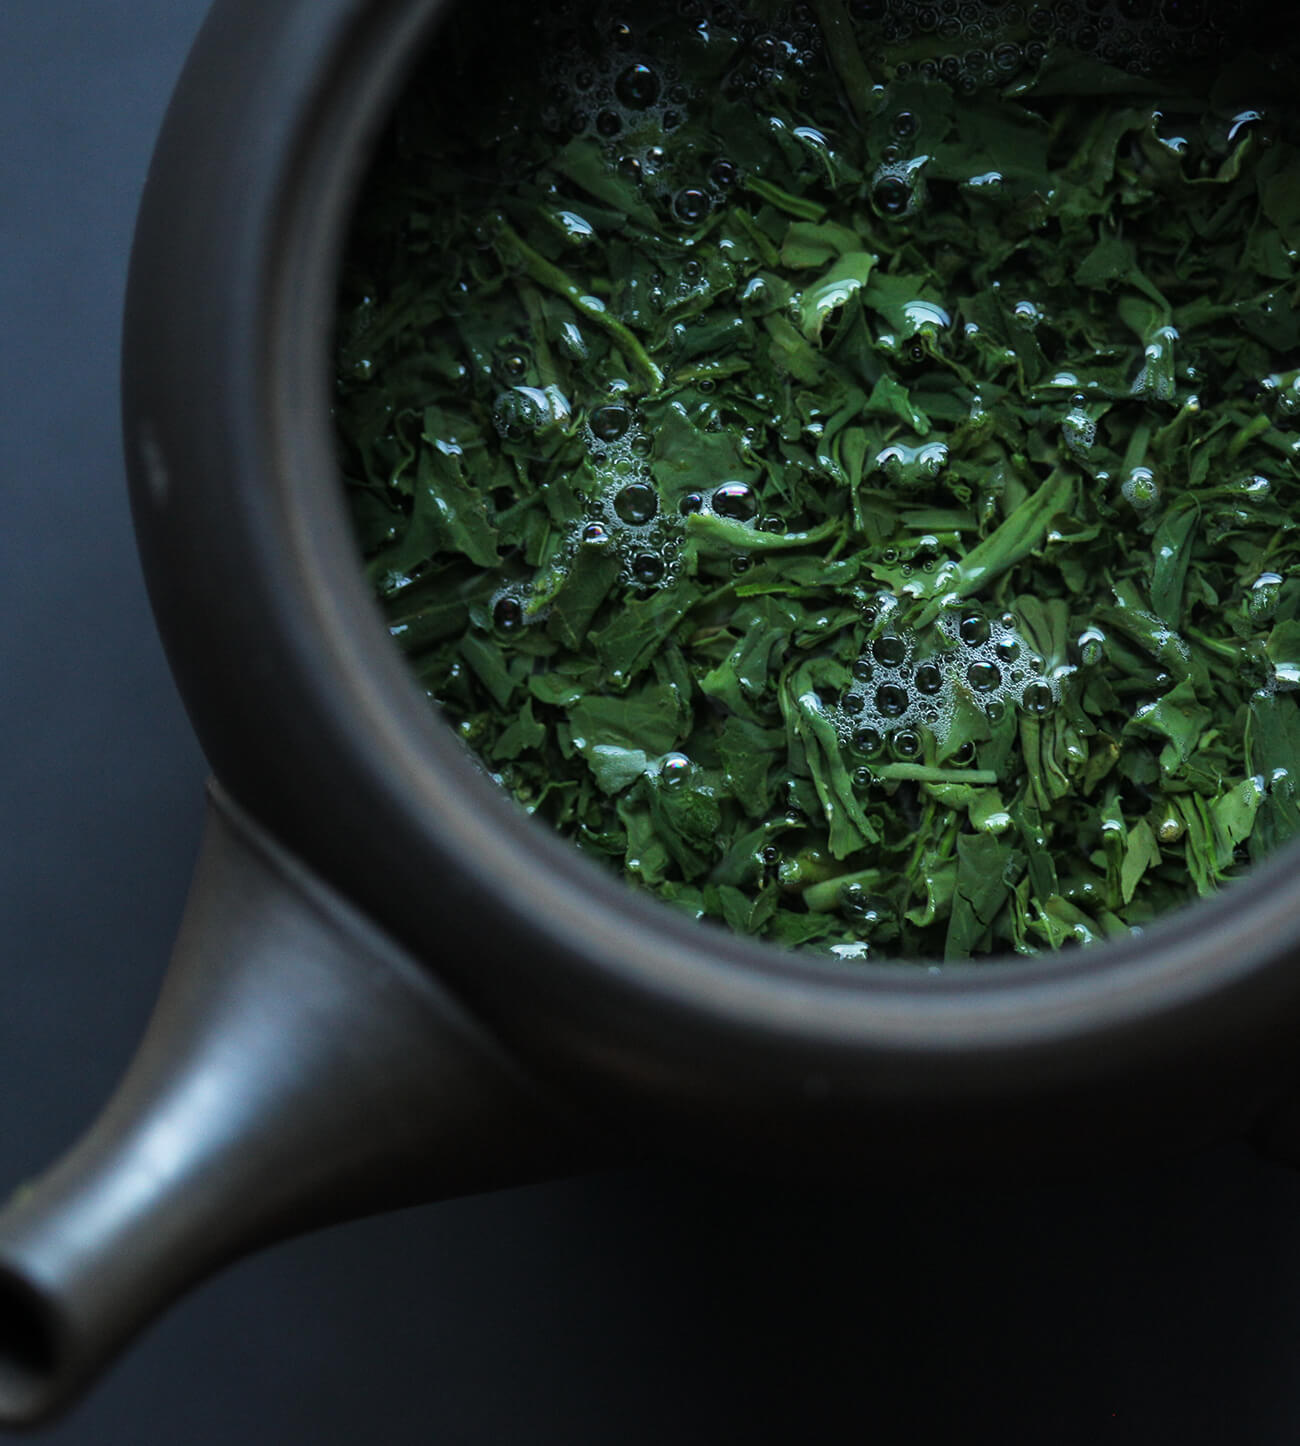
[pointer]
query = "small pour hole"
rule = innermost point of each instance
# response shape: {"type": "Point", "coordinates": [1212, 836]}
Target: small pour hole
{"type": "Point", "coordinates": [29, 1353]}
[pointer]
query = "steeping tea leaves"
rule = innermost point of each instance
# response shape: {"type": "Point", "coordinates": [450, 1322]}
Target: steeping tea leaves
{"type": "Point", "coordinates": [839, 463]}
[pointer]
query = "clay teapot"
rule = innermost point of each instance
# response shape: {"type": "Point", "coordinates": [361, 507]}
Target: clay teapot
{"type": "Point", "coordinates": [389, 985]}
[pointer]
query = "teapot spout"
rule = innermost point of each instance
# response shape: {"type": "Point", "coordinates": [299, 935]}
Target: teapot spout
{"type": "Point", "coordinates": [299, 1069]}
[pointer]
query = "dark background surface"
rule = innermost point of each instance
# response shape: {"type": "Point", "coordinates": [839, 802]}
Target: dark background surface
{"type": "Point", "coordinates": [642, 1307]}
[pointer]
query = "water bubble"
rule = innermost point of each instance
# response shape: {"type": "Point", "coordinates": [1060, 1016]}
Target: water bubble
{"type": "Point", "coordinates": [771, 524]}
{"type": "Point", "coordinates": [906, 466]}
{"type": "Point", "coordinates": [1037, 699]}
{"type": "Point", "coordinates": [984, 677]}
{"type": "Point", "coordinates": [692, 502]}
{"type": "Point", "coordinates": [630, 168]}
{"type": "Point", "coordinates": [929, 679]}
{"type": "Point", "coordinates": [973, 630]}
{"type": "Point", "coordinates": [863, 671]}
{"type": "Point", "coordinates": [891, 700]}
{"type": "Point", "coordinates": [508, 614]}
{"type": "Point", "coordinates": [1007, 58]}
{"type": "Point", "coordinates": [1262, 599]}
{"type": "Point", "coordinates": [855, 901]}
{"type": "Point", "coordinates": [906, 743]}
{"type": "Point", "coordinates": [640, 446]}
{"type": "Point", "coordinates": [515, 365]}
{"type": "Point", "coordinates": [647, 568]}
{"type": "Point", "coordinates": [723, 173]}
{"type": "Point", "coordinates": [636, 504]}
{"type": "Point", "coordinates": [892, 195]}
{"type": "Point", "coordinates": [964, 755]}
{"type": "Point", "coordinates": [851, 702]}
{"type": "Point", "coordinates": [905, 125]}
{"type": "Point", "coordinates": [1007, 650]}
{"type": "Point", "coordinates": [1170, 829]}
{"type": "Point", "coordinates": [868, 909]}
{"type": "Point", "coordinates": [735, 500]}
{"type": "Point", "coordinates": [1091, 645]}
{"type": "Point", "coordinates": [674, 768]}
{"type": "Point", "coordinates": [755, 294]}
{"type": "Point", "coordinates": [890, 650]}
{"type": "Point", "coordinates": [691, 205]}
{"type": "Point", "coordinates": [608, 424]}
{"type": "Point", "coordinates": [995, 710]}
{"type": "Point", "coordinates": [742, 562]}
{"type": "Point", "coordinates": [863, 778]}
{"type": "Point", "coordinates": [608, 123]}
{"type": "Point", "coordinates": [522, 411]}
{"type": "Point", "coordinates": [595, 533]}
{"type": "Point", "coordinates": [637, 87]}
{"type": "Point", "coordinates": [868, 741]}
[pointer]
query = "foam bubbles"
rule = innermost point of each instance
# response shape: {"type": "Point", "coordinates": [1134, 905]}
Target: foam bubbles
{"type": "Point", "coordinates": [904, 689]}
{"type": "Point", "coordinates": [1078, 430]}
{"type": "Point", "coordinates": [1262, 597]}
{"type": "Point", "coordinates": [1140, 489]}
{"type": "Point", "coordinates": [521, 412]}
{"type": "Point", "coordinates": [629, 101]}
{"type": "Point", "coordinates": [983, 43]}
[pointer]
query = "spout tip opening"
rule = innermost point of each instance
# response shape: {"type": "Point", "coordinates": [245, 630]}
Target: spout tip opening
{"type": "Point", "coordinates": [33, 1368]}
